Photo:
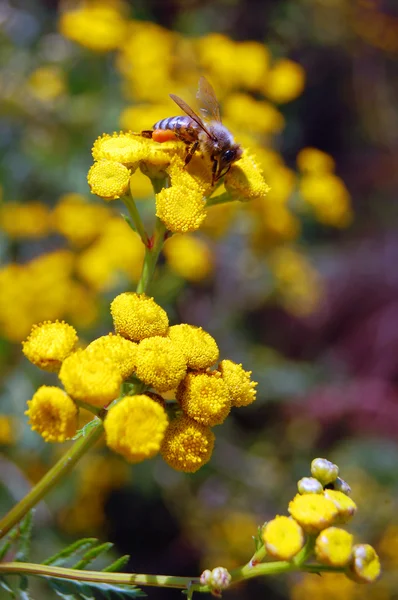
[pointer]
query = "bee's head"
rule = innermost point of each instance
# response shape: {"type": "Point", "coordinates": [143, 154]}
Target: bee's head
{"type": "Point", "coordinates": [226, 158]}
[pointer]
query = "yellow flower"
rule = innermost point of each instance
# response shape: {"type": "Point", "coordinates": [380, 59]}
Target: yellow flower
{"type": "Point", "coordinates": [125, 148]}
{"type": "Point", "coordinates": [52, 414]}
{"type": "Point", "coordinates": [135, 428]}
{"type": "Point", "coordinates": [285, 81]}
{"type": "Point", "coordinates": [205, 398]}
{"type": "Point", "coordinates": [108, 179]}
{"type": "Point", "coordinates": [328, 197]}
{"type": "Point", "coordinates": [97, 26]}
{"type": "Point", "coordinates": [189, 257]}
{"type": "Point", "coordinates": [136, 316]}
{"type": "Point", "coordinates": [116, 349]}
{"type": "Point", "coordinates": [330, 586]}
{"type": "Point", "coordinates": [283, 538]}
{"type": "Point", "coordinates": [324, 470]}
{"type": "Point", "coordinates": [365, 565]}
{"type": "Point", "coordinates": [7, 430]}
{"type": "Point", "coordinates": [240, 387]}
{"type": "Point", "coordinates": [47, 83]}
{"type": "Point", "coordinates": [160, 363]}
{"type": "Point", "coordinates": [90, 379]}
{"type": "Point", "coordinates": [199, 347]}
{"type": "Point", "coordinates": [187, 445]}
{"type": "Point", "coordinates": [30, 220]}
{"type": "Point", "coordinates": [345, 506]}
{"type": "Point", "coordinates": [79, 220]}
{"type": "Point", "coordinates": [334, 546]}
{"type": "Point", "coordinates": [313, 512]}
{"type": "Point", "coordinates": [139, 117]}
{"type": "Point", "coordinates": [312, 160]}
{"type": "Point", "coordinates": [245, 181]}
{"type": "Point", "coordinates": [49, 344]}
{"type": "Point", "coordinates": [256, 116]}
{"type": "Point", "coordinates": [309, 485]}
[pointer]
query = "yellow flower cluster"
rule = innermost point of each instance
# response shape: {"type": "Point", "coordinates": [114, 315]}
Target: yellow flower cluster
{"type": "Point", "coordinates": [49, 344]}
{"type": "Point", "coordinates": [314, 512]}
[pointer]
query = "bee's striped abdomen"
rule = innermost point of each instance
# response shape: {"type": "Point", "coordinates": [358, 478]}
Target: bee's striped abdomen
{"type": "Point", "coordinates": [183, 126]}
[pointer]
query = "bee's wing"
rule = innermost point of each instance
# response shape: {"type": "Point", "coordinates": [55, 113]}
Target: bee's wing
{"type": "Point", "coordinates": [208, 101]}
{"type": "Point", "coordinates": [188, 110]}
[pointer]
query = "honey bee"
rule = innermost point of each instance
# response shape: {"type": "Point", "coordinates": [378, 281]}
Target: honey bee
{"type": "Point", "coordinates": [210, 137]}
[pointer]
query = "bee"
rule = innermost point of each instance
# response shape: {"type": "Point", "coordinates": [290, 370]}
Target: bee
{"type": "Point", "coordinates": [210, 137]}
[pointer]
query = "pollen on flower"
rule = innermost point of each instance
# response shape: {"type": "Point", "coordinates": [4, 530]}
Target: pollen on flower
{"type": "Point", "coordinates": [313, 512]}
{"type": "Point", "coordinates": [108, 179]}
{"type": "Point", "coordinates": [160, 363]}
{"type": "Point", "coordinates": [199, 347]}
{"type": "Point", "coordinates": [90, 379]}
{"type": "Point", "coordinates": [365, 564]}
{"type": "Point", "coordinates": [135, 427]}
{"type": "Point", "coordinates": [187, 445]}
{"type": "Point", "coordinates": [345, 505]}
{"type": "Point", "coordinates": [245, 181]}
{"type": "Point", "coordinates": [116, 349]}
{"type": "Point", "coordinates": [125, 148]}
{"type": "Point", "coordinates": [52, 414]}
{"type": "Point", "coordinates": [181, 209]}
{"type": "Point", "coordinates": [241, 388]}
{"type": "Point", "coordinates": [283, 537]}
{"type": "Point", "coordinates": [137, 316]}
{"type": "Point", "coordinates": [204, 397]}
{"type": "Point", "coordinates": [49, 344]}
{"type": "Point", "coordinates": [334, 547]}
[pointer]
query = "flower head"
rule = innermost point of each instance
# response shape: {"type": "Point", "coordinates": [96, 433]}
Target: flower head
{"type": "Point", "coordinates": [313, 512]}
{"type": "Point", "coordinates": [365, 564]}
{"type": "Point", "coordinates": [345, 506]}
{"type": "Point", "coordinates": [283, 537]}
{"type": "Point", "coordinates": [125, 148]}
{"type": "Point", "coordinates": [312, 160]}
{"type": "Point", "coordinates": [160, 363]}
{"type": "Point", "coordinates": [199, 347]}
{"type": "Point", "coordinates": [245, 181]}
{"type": "Point", "coordinates": [204, 397]}
{"type": "Point", "coordinates": [49, 344]}
{"type": "Point", "coordinates": [324, 470]}
{"type": "Point", "coordinates": [108, 179]}
{"type": "Point", "coordinates": [28, 220]}
{"type": "Point", "coordinates": [135, 427]}
{"type": "Point", "coordinates": [78, 220]}
{"type": "Point", "coordinates": [137, 316]}
{"type": "Point", "coordinates": [240, 387]}
{"type": "Point", "coordinates": [116, 349]}
{"type": "Point", "coordinates": [187, 445]}
{"type": "Point", "coordinates": [90, 379]}
{"type": "Point", "coordinates": [52, 414]}
{"type": "Point", "coordinates": [189, 257]}
{"type": "Point", "coordinates": [334, 547]}
{"type": "Point", "coordinates": [285, 81]}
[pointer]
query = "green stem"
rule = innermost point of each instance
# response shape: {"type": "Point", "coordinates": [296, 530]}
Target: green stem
{"type": "Point", "coordinates": [151, 257]}
{"type": "Point", "coordinates": [51, 478]}
{"type": "Point", "coordinates": [220, 199]}
{"type": "Point", "coordinates": [136, 218]}
{"type": "Point", "coordinates": [306, 551]}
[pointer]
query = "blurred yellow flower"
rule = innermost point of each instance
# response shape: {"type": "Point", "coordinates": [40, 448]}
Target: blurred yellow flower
{"type": "Point", "coordinates": [52, 414]}
{"type": "Point", "coordinates": [187, 445]}
{"type": "Point", "coordinates": [328, 197]}
{"type": "Point", "coordinates": [47, 83]}
{"type": "Point", "coordinates": [285, 81]}
{"type": "Point", "coordinates": [283, 538]}
{"type": "Point", "coordinates": [7, 430]}
{"type": "Point", "coordinates": [365, 564]}
{"type": "Point", "coordinates": [204, 396]}
{"type": "Point", "coordinates": [248, 114]}
{"type": "Point", "coordinates": [29, 220]}
{"type": "Point", "coordinates": [241, 388]}
{"type": "Point", "coordinates": [79, 220]}
{"type": "Point", "coordinates": [49, 344]}
{"type": "Point", "coordinates": [189, 257]}
{"type": "Point", "coordinates": [137, 316]}
{"type": "Point", "coordinates": [160, 363]}
{"type": "Point", "coordinates": [312, 160]}
{"type": "Point", "coordinates": [108, 179]}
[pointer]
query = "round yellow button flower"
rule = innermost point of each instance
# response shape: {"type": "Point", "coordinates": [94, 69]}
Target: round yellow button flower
{"type": "Point", "coordinates": [49, 344]}
{"type": "Point", "coordinates": [52, 414]}
{"type": "Point", "coordinates": [345, 506]}
{"type": "Point", "coordinates": [245, 181]}
{"type": "Point", "coordinates": [187, 445]}
{"type": "Point", "coordinates": [313, 512]}
{"type": "Point", "coordinates": [125, 148]}
{"type": "Point", "coordinates": [334, 547]}
{"type": "Point", "coordinates": [313, 160]}
{"type": "Point", "coordinates": [365, 565]}
{"type": "Point", "coordinates": [160, 363]}
{"type": "Point", "coordinates": [108, 179]}
{"type": "Point", "coordinates": [116, 349]}
{"type": "Point", "coordinates": [205, 398]}
{"type": "Point", "coordinates": [283, 537]}
{"type": "Point", "coordinates": [135, 427]}
{"type": "Point", "coordinates": [199, 347]}
{"type": "Point", "coordinates": [181, 209]}
{"type": "Point", "coordinates": [90, 379]}
{"type": "Point", "coordinates": [100, 28]}
{"type": "Point", "coordinates": [240, 387]}
{"type": "Point", "coordinates": [137, 316]}
{"type": "Point", "coordinates": [285, 81]}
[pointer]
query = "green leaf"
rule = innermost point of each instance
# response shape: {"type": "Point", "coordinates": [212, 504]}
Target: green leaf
{"type": "Point", "coordinates": [129, 222]}
{"type": "Point", "coordinates": [4, 549]}
{"type": "Point", "coordinates": [92, 554]}
{"type": "Point", "coordinates": [258, 539]}
{"type": "Point", "coordinates": [23, 540]}
{"type": "Point", "coordinates": [6, 587]}
{"type": "Point", "coordinates": [118, 564]}
{"type": "Point", "coordinates": [86, 590]}
{"type": "Point", "coordinates": [80, 546]}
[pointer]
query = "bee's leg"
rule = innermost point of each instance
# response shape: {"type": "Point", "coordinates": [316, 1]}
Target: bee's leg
{"type": "Point", "coordinates": [147, 133]}
{"type": "Point", "coordinates": [191, 151]}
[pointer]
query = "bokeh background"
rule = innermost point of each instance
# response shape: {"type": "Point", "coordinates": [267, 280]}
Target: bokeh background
{"type": "Point", "coordinates": [302, 287]}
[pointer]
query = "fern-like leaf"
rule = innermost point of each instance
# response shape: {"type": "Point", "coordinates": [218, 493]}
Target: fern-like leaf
{"type": "Point", "coordinates": [77, 547]}
{"type": "Point", "coordinates": [92, 554]}
{"type": "Point", "coordinates": [85, 590]}
{"type": "Point", "coordinates": [24, 537]}
{"type": "Point", "coordinates": [118, 564]}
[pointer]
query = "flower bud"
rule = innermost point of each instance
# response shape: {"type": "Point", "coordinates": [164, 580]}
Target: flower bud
{"type": "Point", "coordinates": [365, 564]}
{"type": "Point", "coordinates": [324, 470]}
{"type": "Point", "coordinates": [309, 485]}
{"type": "Point", "coordinates": [342, 486]}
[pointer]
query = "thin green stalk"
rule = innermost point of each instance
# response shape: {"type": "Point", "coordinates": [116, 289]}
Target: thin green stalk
{"type": "Point", "coordinates": [220, 199]}
{"type": "Point", "coordinates": [136, 218]}
{"type": "Point", "coordinates": [51, 478]}
{"type": "Point", "coordinates": [151, 257]}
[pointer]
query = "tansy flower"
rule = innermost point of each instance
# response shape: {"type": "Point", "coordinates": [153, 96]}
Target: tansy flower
{"type": "Point", "coordinates": [78, 220]}
{"type": "Point", "coordinates": [135, 427]}
{"type": "Point", "coordinates": [137, 316]}
{"type": "Point", "coordinates": [90, 379]}
{"type": "Point", "coordinates": [283, 538]}
{"type": "Point", "coordinates": [312, 160]}
{"type": "Point", "coordinates": [117, 349]}
{"type": "Point", "coordinates": [7, 430]}
{"type": "Point", "coordinates": [47, 83]}
{"type": "Point", "coordinates": [313, 512]}
{"type": "Point", "coordinates": [255, 116]}
{"type": "Point", "coordinates": [49, 344]}
{"type": "Point", "coordinates": [28, 220]}
{"type": "Point", "coordinates": [199, 347]}
{"type": "Point", "coordinates": [108, 179]}
{"type": "Point", "coordinates": [180, 209]}
{"type": "Point", "coordinates": [125, 148]}
{"type": "Point", "coordinates": [324, 471]}
{"type": "Point", "coordinates": [160, 363]}
{"type": "Point", "coordinates": [52, 414]}
{"type": "Point", "coordinates": [365, 564]}
{"type": "Point", "coordinates": [245, 181]}
{"type": "Point", "coordinates": [285, 81]}
{"type": "Point", "coordinates": [204, 397]}
{"type": "Point", "coordinates": [189, 257]}
{"type": "Point", "coordinates": [345, 506]}
{"type": "Point", "coordinates": [309, 485]}
{"type": "Point", "coordinates": [328, 197]}
{"type": "Point", "coordinates": [187, 445]}
{"type": "Point", "coordinates": [334, 546]}
{"type": "Point", "coordinates": [240, 387]}
{"type": "Point", "coordinates": [160, 155]}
